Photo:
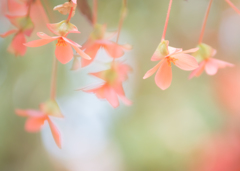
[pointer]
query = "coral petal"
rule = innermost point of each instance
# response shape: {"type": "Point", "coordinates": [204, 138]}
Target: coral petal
{"type": "Point", "coordinates": [91, 51]}
{"type": "Point", "coordinates": [211, 67]}
{"type": "Point", "coordinates": [29, 112]}
{"type": "Point", "coordinates": [8, 33]}
{"type": "Point", "coordinates": [114, 50]}
{"type": "Point", "coordinates": [81, 53]}
{"type": "Point", "coordinates": [197, 72]}
{"type": "Point", "coordinates": [17, 46]}
{"type": "Point", "coordinates": [163, 77]}
{"type": "Point", "coordinates": [34, 124]}
{"type": "Point", "coordinates": [111, 97]}
{"type": "Point", "coordinates": [186, 62]}
{"type": "Point", "coordinates": [40, 42]}
{"type": "Point", "coordinates": [55, 132]}
{"type": "Point", "coordinates": [64, 53]}
{"type": "Point", "coordinates": [152, 71]}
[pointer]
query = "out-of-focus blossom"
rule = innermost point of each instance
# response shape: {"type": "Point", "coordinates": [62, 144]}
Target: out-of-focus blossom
{"type": "Point", "coordinates": [111, 89]}
{"type": "Point", "coordinates": [220, 153]}
{"type": "Point", "coordinates": [100, 38]}
{"type": "Point", "coordinates": [24, 27]}
{"type": "Point", "coordinates": [36, 118]}
{"type": "Point", "coordinates": [66, 8]}
{"type": "Point", "coordinates": [63, 51]}
{"type": "Point", "coordinates": [211, 65]}
{"type": "Point", "coordinates": [167, 55]}
{"type": "Point", "coordinates": [228, 90]}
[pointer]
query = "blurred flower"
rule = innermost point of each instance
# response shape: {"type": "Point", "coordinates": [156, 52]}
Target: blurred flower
{"type": "Point", "coordinates": [168, 55]}
{"type": "Point", "coordinates": [63, 50]}
{"type": "Point", "coordinates": [112, 87]}
{"type": "Point", "coordinates": [66, 8]}
{"type": "Point", "coordinates": [228, 91]}
{"type": "Point", "coordinates": [36, 118]}
{"type": "Point", "coordinates": [24, 27]}
{"type": "Point", "coordinates": [205, 56]}
{"type": "Point", "coordinates": [220, 153]}
{"type": "Point", "coordinates": [100, 38]}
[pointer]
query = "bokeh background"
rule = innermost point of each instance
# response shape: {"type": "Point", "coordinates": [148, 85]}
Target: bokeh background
{"type": "Point", "coordinates": [192, 126]}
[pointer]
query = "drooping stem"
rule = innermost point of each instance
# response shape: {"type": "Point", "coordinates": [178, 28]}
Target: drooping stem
{"type": "Point", "coordinates": [233, 6]}
{"type": "Point", "coordinates": [205, 22]}
{"type": "Point", "coordinates": [70, 15]}
{"type": "Point", "coordinates": [95, 7]}
{"type": "Point", "coordinates": [54, 79]}
{"type": "Point", "coordinates": [167, 19]}
{"type": "Point", "coordinates": [122, 17]}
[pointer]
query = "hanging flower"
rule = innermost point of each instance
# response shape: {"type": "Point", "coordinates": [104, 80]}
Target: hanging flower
{"type": "Point", "coordinates": [36, 118]}
{"type": "Point", "coordinates": [167, 55]}
{"type": "Point", "coordinates": [24, 28]}
{"type": "Point", "coordinates": [100, 38]}
{"type": "Point", "coordinates": [111, 89]}
{"type": "Point", "coordinates": [64, 46]}
{"type": "Point", "coordinates": [211, 65]}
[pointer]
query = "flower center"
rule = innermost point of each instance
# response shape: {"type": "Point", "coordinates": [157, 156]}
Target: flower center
{"type": "Point", "coordinates": [171, 59]}
{"type": "Point", "coordinates": [61, 42]}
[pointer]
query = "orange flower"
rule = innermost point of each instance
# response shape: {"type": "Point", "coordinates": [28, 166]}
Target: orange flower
{"type": "Point", "coordinates": [36, 119]}
{"type": "Point", "coordinates": [205, 56]}
{"type": "Point", "coordinates": [168, 55]}
{"type": "Point", "coordinates": [111, 88]}
{"type": "Point", "coordinates": [64, 46]}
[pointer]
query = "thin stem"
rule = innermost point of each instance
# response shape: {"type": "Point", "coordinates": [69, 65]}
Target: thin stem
{"type": "Point", "coordinates": [233, 6]}
{"type": "Point", "coordinates": [54, 79]}
{"type": "Point", "coordinates": [205, 22]}
{"type": "Point", "coordinates": [123, 15]}
{"type": "Point", "coordinates": [167, 19]}
{"type": "Point", "coordinates": [70, 15]}
{"type": "Point", "coordinates": [95, 7]}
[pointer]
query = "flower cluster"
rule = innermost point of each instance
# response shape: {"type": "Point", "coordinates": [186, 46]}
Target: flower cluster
{"type": "Point", "coordinates": [28, 15]}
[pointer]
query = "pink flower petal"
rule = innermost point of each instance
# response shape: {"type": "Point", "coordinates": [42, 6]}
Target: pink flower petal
{"type": "Point", "coordinates": [173, 50]}
{"type": "Point", "coordinates": [197, 72]}
{"type": "Point", "coordinates": [17, 8]}
{"type": "Point", "coordinates": [34, 124]}
{"type": "Point", "coordinates": [29, 112]}
{"type": "Point", "coordinates": [17, 46]}
{"type": "Point", "coordinates": [71, 42]}
{"type": "Point", "coordinates": [81, 53]}
{"type": "Point", "coordinates": [38, 15]}
{"type": "Point", "coordinates": [113, 49]}
{"type": "Point", "coordinates": [163, 77]}
{"type": "Point", "coordinates": [53, 28]}
{"type": "Point", "coordinates": [55, 132]}
{"type": "Point", "coordinates": [8, 33]}
{"type": "Point", "coordinates": [111, 97]}
{"type": "Point", "coordinates": [185, 62]}
{"type": "Point", "coordinates": [43, 35]}
{"type": "Point", "coordinates": [64, 53]}
{"type": "Point", "coordinates": [40, 42]}
{"type": "Point", "coordinates": [222, 64]}
{"type": "Point", "coordinates": [152, 71]}
{"type": "Point", "coordinates": [211, 67]}
{"type": "Point", "coordinates": [91, 51]}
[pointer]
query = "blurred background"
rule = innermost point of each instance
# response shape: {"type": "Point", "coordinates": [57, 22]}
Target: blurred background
{"type": "Point", "coordinates": [192, 126]}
